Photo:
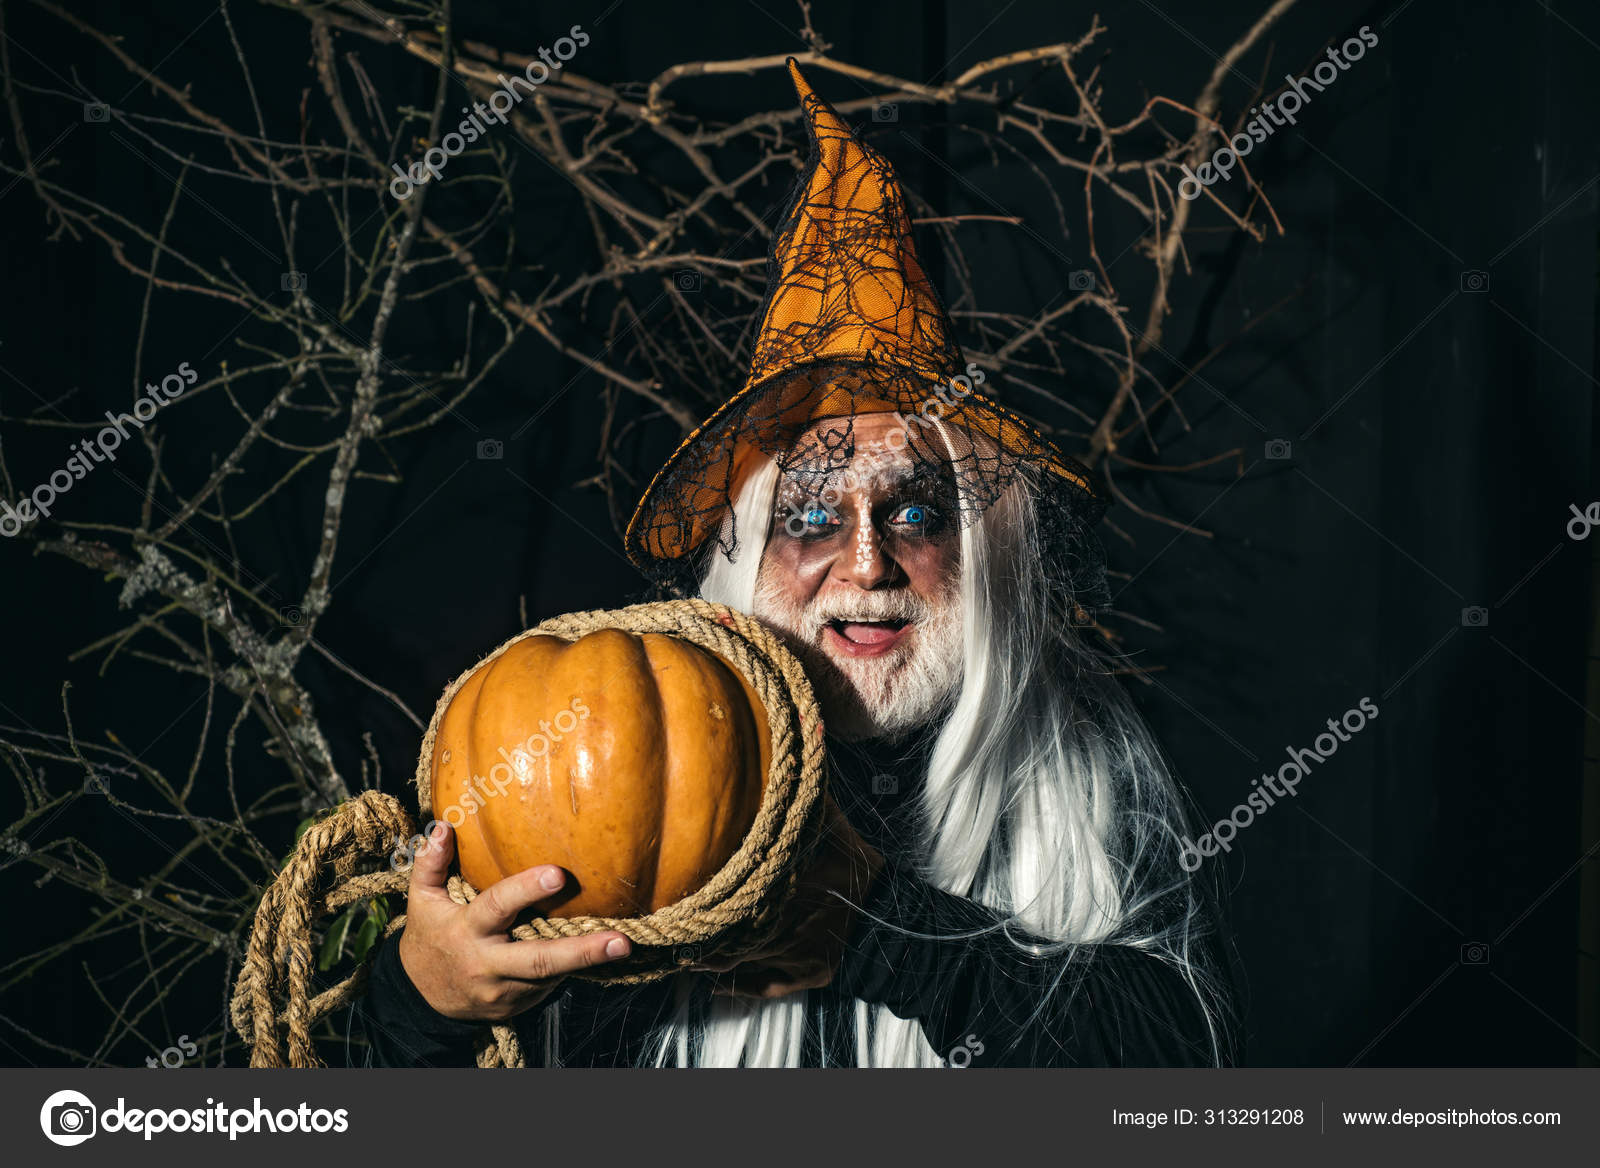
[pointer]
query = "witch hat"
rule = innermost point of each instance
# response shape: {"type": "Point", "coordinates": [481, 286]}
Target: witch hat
{"type": "Point", "coordinates": [851, 325]}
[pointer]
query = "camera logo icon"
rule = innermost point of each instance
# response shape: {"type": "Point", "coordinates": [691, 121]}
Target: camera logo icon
{"type": "Point", "coordinates": [886, 111]}
{"type": "Point", "coordinates": [1475, 953]}
{"type": "Point", "coordinates": [1081, 280]}
{"type": "Point", "coordinates": [686, 954]}
{"type": "Point", "coordinates": [292, 282]}
{"type": "Point", "coordinates": [686, 280]}
{"type": "Point", "coordinates": [491, 449]}
{"type": "Point", "coordinates": [1474, 617]}
{"type": "Point", "coordinates": [1278, 448]}
{"type": "Point", "coordinates": [1474, 281]}
{"type": "Point", "coordinates": [885, 785]}
{"type": "Point", "coordinates": [96, 111]}
{"type": "Point", "coordinates": [291, 615]}
{"type": "Point", "coordinates": [67, 1118]}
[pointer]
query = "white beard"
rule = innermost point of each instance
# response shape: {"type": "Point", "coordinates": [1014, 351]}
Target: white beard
{"type": "Point", "coordinates": [872, 697]}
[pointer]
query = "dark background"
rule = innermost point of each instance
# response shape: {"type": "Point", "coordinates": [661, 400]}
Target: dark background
{"type": "Point", "coordinates": [1463, 431]}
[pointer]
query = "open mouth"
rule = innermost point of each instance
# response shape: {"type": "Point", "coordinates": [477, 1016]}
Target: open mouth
{"type": "Point", "coordinates": [866, 638]}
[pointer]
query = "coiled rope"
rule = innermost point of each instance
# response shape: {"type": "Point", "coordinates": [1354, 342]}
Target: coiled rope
{"type": "Point", "coordinates": [733, 913]}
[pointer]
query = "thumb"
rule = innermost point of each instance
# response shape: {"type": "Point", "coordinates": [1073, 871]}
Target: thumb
{"type": "Point", "coordinates": [430, 866]}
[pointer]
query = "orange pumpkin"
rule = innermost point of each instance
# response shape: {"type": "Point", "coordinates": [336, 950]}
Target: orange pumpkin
{"type": "Point", "coordinates": [637, 763]}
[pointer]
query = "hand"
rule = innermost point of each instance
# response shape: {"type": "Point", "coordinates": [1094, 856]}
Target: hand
{"type": "Point", "coordinates": [814, 925]}
{"type": "Point", "coordinates": [461, 957]}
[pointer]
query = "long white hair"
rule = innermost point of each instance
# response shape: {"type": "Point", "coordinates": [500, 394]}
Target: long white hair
{"type": "Point", "coordinates": [1045, 799]}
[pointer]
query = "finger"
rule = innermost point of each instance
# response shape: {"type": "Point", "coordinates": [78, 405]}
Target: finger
{"type": "Point", "coordinates": [771, 981]}
{"type": "Point", "coordinates": [430, 866]}
{"type": "Point", "coordinates": [740, 994]}
{"type": "Point", "coordinates": [783, 987]}
{"type": "Point", "coordinates": [838, 823]}
{"type": "Point", "coordinates": [538, 960]}
{"type": "Point", "coordinates": [727, 964]}
{"type": "Point", "coordinates": [497, 906]}
{"type": "Point", "coordinates": [744, 982]}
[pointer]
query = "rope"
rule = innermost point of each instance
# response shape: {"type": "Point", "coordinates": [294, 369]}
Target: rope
{"type": "Point", "coordinates": [732, 914]}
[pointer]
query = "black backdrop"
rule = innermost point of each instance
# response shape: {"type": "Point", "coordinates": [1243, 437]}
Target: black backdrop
{"type": "Point", "coordinates": [1437, 435]}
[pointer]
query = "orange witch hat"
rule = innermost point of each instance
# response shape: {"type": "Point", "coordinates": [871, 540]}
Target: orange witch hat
{"type": "Point", "coordinates": [846, 283]}
{"type": "Point", "coordinates": [851, 325]}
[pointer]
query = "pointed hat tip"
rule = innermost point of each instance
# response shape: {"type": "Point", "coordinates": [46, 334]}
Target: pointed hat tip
{"type": "Point", "coordinates": [819, 114]}
{"type": "Point", "coordinates": [802, 87]}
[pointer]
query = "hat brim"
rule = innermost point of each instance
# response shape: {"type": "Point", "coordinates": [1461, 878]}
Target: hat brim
{"type": "Point", "coordinates": [688, 497]}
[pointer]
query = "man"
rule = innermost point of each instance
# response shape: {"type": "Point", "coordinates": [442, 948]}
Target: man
{"type": "Point", "coordinates": [1001, 884]}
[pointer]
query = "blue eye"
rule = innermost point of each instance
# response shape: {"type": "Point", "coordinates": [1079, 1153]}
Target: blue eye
{"type": "Point", "coordinates": [808, 522]}
{"type": "Point", "coordinates": [915, 515]}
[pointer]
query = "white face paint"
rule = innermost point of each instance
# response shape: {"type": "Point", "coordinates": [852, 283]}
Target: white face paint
{"type": "Point", "coordinates": [861, 577]}
{"type": "Point", "coordinates": [864, 547]}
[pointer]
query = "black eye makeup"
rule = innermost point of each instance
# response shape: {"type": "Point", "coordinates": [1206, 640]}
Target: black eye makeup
{"type": "Point", "coordinates": [915, 517]}
{"type": "Point", "coordinates": [801, 518]}
{"type": "Point", "coordinates": [911, 510]}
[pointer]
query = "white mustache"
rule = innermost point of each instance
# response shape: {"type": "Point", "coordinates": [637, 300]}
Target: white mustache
{"type": "Point", "coordinates": [870, 606]}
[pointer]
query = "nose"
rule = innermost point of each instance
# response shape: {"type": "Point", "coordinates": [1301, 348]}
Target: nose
{"type": "Point", "coordinates": [866, 563]}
